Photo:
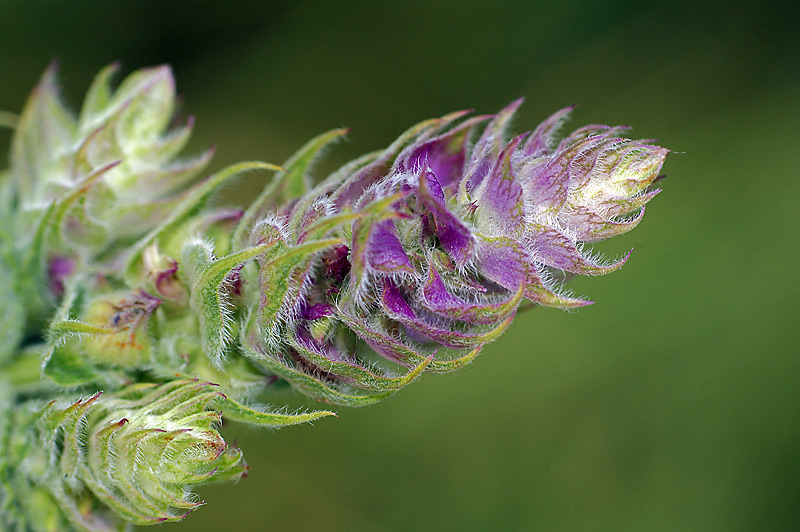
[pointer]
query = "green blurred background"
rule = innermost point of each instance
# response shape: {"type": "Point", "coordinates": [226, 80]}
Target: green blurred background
{"type": "Point", "coordinates": [672, 404]}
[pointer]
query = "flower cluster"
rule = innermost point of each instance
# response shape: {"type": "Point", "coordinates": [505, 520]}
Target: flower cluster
{"type": "Point", "coordinates": [117, 276]}
{"type": "Point", "coordinates": [424, 251]}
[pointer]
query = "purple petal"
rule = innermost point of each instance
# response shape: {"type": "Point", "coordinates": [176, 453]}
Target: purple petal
{"type": "Point", "coordinates": [503, 261]}
{"type": "Point", "coordinates": [394, 301]}
{"type": "Point", "coordinates": [59, 268]}
{"type": "Point", "coordinates": [555, 249]}
{"type": "Point", "coordinates": [454, 236]}
{"type": "Point", "coordinates": [541, 140]}
{"type": "Point", "coordinates": [499, 199]}
{"type": "Point", "coordinates": [385, 251]}
{"type": "Point", "coordinates": [614, 207]}
{"type": "Point", "coordinates": [438, 299]}
{"type": "Point", "coordinates": [379, 339]}
{"type": "Point", "coordinates": [588, 226]}
{"type": "Point", "coordinates": [488, 147]}
{"type": "Point", "coordinates": [355, 185]}
{"type": "Point", "coordinates": [375, 213]}
{"type": "Point", "coordinates": [445, 155]}
{"type": "Point", "coordinates": [316, 311]}
{"type": "Point", "coordinates": [302, 221]}
{"type": "Point", "coordinates": [336, 264]}
{"type": "Point", "coordinates": [349, 192]}
{"type": "Point", "coordinates": [396, 307]}
{"type": "Point", "coordinates": [547, 185]}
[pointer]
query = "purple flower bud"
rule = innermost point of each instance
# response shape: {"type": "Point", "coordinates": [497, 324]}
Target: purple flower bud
{"type": "Point", "coordinates": [447, 239]}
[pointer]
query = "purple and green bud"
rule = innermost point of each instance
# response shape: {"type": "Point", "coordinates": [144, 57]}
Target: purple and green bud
{"type": "Point", "coordinates": [446, 239]}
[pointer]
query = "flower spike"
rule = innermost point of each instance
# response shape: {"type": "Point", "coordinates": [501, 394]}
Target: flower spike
{"type": "Point", "coordinates": [136, 314]}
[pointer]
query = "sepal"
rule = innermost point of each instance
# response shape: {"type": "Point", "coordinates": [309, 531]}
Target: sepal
{"type": "Point", "coordinates": [207, 277]}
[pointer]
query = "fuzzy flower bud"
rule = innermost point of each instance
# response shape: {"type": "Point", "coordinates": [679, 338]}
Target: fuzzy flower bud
{"type": "Point", "coordinates": [135, 453]}
{"type": "Point", "coordinates": [422, 253]}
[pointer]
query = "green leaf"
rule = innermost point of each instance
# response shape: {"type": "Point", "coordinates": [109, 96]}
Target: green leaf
{"type": "Point", "coordinates": [312, 386]}
{"type": "Point", "coordinates": [288, 184]}
{"type": "Point", "coordinates": [206, 300]}
{"type": "Point", "coordinates": [135, 453]}
{"type": "Point", "coordinates": [62, 329]}
{"type": "Point", "coordinates": [324, 225]}
{"type": "Point", "coordinates": [255, 416]}
{"type": "Point", "coordinates": [380, 339]}
{"type": "Point", "coordinates": [275, 273]}
{"type": "Point", "coordinates": [309, 385]}
{"type": "Point", "coordinates": [335, 179]}
{"type": "Point", "coordinates": [363, 377]}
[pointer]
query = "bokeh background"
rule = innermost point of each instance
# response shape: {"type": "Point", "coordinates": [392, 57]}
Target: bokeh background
{"type": "Point", "coordinates": [673, 404]}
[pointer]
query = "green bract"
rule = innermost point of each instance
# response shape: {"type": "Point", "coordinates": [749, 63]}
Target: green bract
{"type": "Point", "coordinates": [134, 314]}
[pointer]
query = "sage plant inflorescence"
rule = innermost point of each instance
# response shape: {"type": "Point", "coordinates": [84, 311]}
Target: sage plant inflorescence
{"type": "Point", "coordinates": [135, 313]}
